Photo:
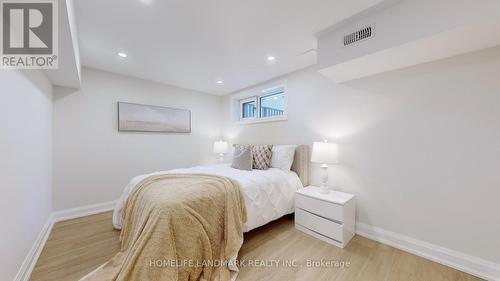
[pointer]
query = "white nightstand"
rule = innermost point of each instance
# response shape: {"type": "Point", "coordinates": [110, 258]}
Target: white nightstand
{"type": "Point", "coordinates": [330, 217]}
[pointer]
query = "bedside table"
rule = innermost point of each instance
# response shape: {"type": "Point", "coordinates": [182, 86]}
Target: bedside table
{"type": "Point", "coordinates": [330, 217]}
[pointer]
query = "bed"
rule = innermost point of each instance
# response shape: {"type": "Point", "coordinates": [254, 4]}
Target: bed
{"type": "Point", "coordinates": [188, 224]}
{"type": "Point", "coordinates": [269, 194]}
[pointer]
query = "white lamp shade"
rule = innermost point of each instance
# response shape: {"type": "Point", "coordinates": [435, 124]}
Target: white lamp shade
{"type": "Point", "coordinates": [220, 147]}
{"type": "Point", "coordinates": [325, 153]}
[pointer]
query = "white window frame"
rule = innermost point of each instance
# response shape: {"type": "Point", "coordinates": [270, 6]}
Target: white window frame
{"type": "Point", "coordinates": [263, 93]}
{"type": "Point", "coordinates": [270, 92]}
{"type": "Point", "coordinates": [247, 100]}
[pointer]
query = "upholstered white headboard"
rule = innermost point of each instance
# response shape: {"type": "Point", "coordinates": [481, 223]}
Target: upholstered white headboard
{"type": "Point", "coordinates": [301, 163]}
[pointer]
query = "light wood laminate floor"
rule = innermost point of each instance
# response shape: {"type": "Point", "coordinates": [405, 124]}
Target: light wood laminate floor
{"type": "Point", "coordinates": [78, 246]}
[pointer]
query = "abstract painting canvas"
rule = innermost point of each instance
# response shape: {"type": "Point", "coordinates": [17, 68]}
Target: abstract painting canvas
{"type": "Point", "coordinates": [151, 118]}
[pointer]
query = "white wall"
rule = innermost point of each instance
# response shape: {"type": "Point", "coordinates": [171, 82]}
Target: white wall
{"type": "Point", "coordinates": [93, 161]}
{"type": "Point", "coordinates": [419, 147]}
{"type": "Point", "coordinates": [25, 164]}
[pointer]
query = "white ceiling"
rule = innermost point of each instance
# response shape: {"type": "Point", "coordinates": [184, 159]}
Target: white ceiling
{"type": "Point", "coordinates": [192, 44]}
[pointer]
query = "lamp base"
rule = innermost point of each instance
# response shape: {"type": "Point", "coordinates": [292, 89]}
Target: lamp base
{"type": "Point", "coordinates": [324, 180]}
{"type": "Point", "coordinates": [221, 157]}
{"type": "Point", "coordinates": [324, 190]}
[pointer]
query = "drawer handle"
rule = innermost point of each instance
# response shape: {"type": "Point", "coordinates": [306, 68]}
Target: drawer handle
{"type": "Point", "coordinates": [338, 241]}
{"type": "Point", "coordinates": [332, 220]}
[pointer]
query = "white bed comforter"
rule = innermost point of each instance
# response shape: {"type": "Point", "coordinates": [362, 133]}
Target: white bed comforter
{"type": "Point", "coordinates": [269, 194]}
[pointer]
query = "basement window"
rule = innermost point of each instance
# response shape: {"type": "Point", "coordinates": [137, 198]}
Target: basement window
{"type": "Point", "coordinates": [270, 105]}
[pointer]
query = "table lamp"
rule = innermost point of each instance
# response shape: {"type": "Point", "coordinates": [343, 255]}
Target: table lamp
{"type": "Point", "coordinates": [220, 147]}
{"type": "Point", "coordinates": [325, 153]}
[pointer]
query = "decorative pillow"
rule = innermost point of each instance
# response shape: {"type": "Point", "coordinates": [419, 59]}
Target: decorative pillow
{"type": "Point", "coordinates": [242, 157]}
{"type": "Point", "coordinates": [283, 156]}
{"type": "Point", "coordinates": [262, 156]}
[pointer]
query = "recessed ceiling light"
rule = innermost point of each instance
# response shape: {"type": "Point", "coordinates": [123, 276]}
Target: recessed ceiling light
{"type": "Point", "coordinates": [122, 55]}
{"type": "Point", "coordinates": [271, 58]}
{"type": "Point", "coordinates": [219, 82]}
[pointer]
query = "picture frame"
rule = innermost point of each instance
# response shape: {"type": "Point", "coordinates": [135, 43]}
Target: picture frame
{"type": "Point", "coordinates": [133, 117]}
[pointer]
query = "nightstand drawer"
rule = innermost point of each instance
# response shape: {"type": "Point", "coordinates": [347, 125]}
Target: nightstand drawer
{"type": "Point", "coordinates": [319, 207]}
{"type": "Point", "coordinates": [318, 224]}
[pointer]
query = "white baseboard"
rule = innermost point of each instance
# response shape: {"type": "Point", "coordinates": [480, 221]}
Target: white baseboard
{"type": "Point", "coordinates": [463, 262]}
{"type": "Point", "coordinates": [29, 262]}
{"type": "Point", "coordinates": [83, 211]}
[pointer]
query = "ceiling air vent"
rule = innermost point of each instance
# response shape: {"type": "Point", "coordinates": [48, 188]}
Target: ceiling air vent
{"type": "Point", "coordinates": [359, 35]}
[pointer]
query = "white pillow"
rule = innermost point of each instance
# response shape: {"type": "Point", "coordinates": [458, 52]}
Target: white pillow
{"type": "Point", "coordinates": [283, 157]}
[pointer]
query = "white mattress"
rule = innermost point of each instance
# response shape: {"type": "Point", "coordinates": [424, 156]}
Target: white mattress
{"type": "Point", "coordinates": [268, 194]}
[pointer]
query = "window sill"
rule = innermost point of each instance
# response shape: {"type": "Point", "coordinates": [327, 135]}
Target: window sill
{"type": "Point", "coordinates": [261, 120]}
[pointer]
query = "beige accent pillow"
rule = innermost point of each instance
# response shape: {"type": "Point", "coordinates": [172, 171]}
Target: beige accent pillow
{"type": "Point", "coordinates": [262, 156]}
{"type": "Point", "coordinates": [242, 157]}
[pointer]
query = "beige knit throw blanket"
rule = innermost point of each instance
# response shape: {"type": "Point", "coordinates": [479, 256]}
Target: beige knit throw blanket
{"type": "Point", "coordinates": [179, 227]}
